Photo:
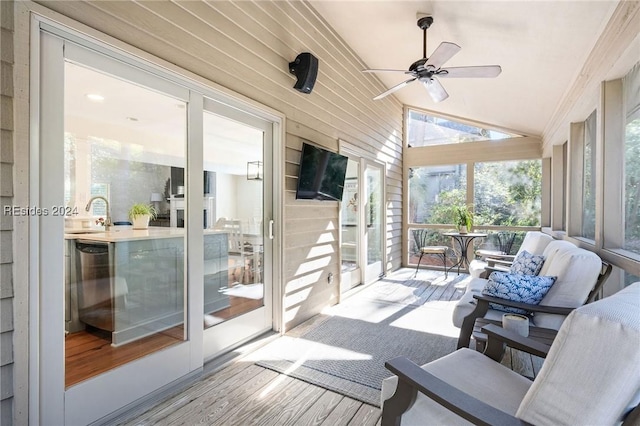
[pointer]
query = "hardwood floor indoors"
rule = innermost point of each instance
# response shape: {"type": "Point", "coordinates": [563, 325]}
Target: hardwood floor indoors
{"type": "Point", "coordinates": [89, 353]}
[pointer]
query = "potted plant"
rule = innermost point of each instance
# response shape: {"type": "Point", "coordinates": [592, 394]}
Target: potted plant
{"type": "Point", "coordinates": [463, 218]}
{"type": "Point", "coordinates": [140, 214]}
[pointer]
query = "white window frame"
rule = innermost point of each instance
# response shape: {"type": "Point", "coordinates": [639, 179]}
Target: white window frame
{"type": "Point", "coordinates": [514, 149]}
{"type": "Point", "coordinates": [612, 240]}
{"type": "Point", "coordinates": [577, 135]}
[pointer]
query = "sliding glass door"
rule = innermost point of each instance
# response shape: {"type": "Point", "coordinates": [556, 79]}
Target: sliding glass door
{"type": "Point", "coordinates": [154, 249]}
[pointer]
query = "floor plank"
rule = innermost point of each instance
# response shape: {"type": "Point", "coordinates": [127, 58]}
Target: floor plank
{"type": "Point", "coordinates": [211, 408]}
{"type": "Point", "coordinates": [302, 401]}
{"type": "Point", "coordinates": [201, 393]}
{"type": "Point", "coordinates": [319, 412]}
{"type": "Point", "coordinates": [367, 415]}
{"type": "Point", "coordinates": [521, 363]}
{"type": "Point", "coordinates": [343, 413]}
{"type": "Point", "coordinates": [259, 407]}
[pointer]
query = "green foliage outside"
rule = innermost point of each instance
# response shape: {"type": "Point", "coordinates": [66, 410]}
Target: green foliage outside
{"type": "Point", "coordinates": [508, 193]}
{"type": "Point", "coordinates": [505, 194]}
{"type": "Point", "coordinates": [632, 186]}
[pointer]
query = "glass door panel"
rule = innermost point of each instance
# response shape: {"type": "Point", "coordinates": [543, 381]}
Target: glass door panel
{"type": "Point", "coordinates": [374, 221]}
{"type": "Point", "coordinates": [237, 276]}
{"type": "Point", "coordinates": [124, 284]}
{"type": "Point", "coordinates": [233, 243]}
{"type": "Point", "coordinates": [351, 212]}
{"type": "Point", "coordinates": [111, 296]}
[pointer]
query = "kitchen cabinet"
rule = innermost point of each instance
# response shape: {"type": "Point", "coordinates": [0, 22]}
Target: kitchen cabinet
{"type": "Point", "coordinates": [72, 322]}
{"type": "Point", "coordinates": [216, 272]}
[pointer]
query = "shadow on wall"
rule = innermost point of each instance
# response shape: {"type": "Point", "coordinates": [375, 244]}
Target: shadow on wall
{"type": "Point", "coordinates": [308, 262]}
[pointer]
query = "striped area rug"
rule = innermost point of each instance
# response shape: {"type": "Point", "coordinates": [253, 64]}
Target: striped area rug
{"type": "Point", "coordinates": [345, 352]}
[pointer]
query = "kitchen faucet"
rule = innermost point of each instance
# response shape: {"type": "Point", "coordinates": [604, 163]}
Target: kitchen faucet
{"type": "Point", "coordinates": [107, 222]}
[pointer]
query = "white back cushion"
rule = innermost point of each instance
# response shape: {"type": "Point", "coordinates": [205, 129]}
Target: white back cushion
{"type": "Point", "coordinates": [535, 242]}
{"type": "Point", "coordinates": [577, 271]}
{"type": "Point", "coordinates": [551, 250]}
{"type": "Point", "coordinates": [592, 373]}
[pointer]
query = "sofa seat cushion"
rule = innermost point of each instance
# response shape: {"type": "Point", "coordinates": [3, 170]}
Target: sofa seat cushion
{"type": "Point", "coordinates": [467, 303]}
{"type": "Point", "coordinates": [517, 288]}
{"type": "Point", "coordinates": [490, 382]}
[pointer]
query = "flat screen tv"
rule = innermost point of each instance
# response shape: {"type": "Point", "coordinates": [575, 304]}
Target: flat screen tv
{"type": "Point", "coordinates": [321, 175]}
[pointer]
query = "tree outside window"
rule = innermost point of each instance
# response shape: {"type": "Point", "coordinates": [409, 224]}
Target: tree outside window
{"type": "Point", "coordinates": [505, 193]}
{"type": "Point", "coordinates": [508, 193]}
{"type": "Point", "coordinates": [589, 179]}
{"type": "Point", "coordinates": [632, 186]}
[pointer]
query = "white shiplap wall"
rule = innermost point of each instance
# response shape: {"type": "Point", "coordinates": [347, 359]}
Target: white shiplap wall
{"type": "Point", "coordinates": [246, 46]}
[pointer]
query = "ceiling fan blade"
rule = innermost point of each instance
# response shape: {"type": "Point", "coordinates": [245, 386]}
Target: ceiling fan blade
{"type": "Point", "coordinates": [442, 54]}
{"type": "Point", "coordinates": [436, 90]}
{"type": "Point", "coordinates": [483, 71]}
{"type": "Point", "coordinates": [379, 70]}
{"type": "Point", "coordinates": [393, 89]}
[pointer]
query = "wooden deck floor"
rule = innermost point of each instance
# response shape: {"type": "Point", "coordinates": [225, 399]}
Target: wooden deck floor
{"type": "Point", "coordinates": [244, 394]}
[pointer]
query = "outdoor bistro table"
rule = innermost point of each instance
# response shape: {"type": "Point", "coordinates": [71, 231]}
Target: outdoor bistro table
{"type": "Point", "coordinates": [464, 241]}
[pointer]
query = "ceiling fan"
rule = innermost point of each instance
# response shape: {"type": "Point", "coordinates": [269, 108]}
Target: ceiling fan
{"type": "Point", "coordinates": [426, 69]}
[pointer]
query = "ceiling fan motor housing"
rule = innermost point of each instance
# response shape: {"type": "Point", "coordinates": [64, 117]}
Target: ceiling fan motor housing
{"type": "Point", "coordinates": [425, 22]}
{"type": "Point", "coordinates": [419, 70]}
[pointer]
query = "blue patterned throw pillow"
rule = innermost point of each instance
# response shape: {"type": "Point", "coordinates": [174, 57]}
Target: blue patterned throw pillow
{"type": "Point", "coordinates": [527, 264]}
{"type": "Point", "coordinates": [518, 288]}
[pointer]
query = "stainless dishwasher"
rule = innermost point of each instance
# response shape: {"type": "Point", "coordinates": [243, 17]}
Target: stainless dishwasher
{"type": "Point", "coordinates": [95, 298]}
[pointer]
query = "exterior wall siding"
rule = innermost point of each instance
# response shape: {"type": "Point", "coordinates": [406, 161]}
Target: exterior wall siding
{"type": "Point", "coordinates": [6, 222]}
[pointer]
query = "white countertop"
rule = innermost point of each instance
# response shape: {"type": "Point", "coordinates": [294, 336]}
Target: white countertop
{"type": "Point", "coordinates": [127, 233]}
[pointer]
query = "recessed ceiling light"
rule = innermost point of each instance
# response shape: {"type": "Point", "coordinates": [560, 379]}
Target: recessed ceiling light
{"type": "Point", "coordinates": [94, 97]}
{"type": "Point", "coordinates": [132, 119]}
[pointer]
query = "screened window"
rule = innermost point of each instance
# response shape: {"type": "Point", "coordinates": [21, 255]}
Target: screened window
{"type": "Point", "coordinates": [631, 87]}
{"type": "Point", "coordinates": [433, 189]}
{"type": "Point", "coordinates": [589, 179]}
{"type": "Point", "coordinates": [428, 130]}
{"type": "Point", "coordinates": [508, 193]}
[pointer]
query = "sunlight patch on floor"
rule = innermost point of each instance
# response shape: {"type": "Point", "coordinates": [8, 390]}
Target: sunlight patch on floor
{"type": "Point", "coordinates": [272, 386]}
{"type": "Point", "coordinates": [366, 310]}
{"type": "Point", "coordinates": [426, 320]}
{"type": "Point", "coordinates": [302, 350]}
{"type": "Point", "coordinates": [441, 304]}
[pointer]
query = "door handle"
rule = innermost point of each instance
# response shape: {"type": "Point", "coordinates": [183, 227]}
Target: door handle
{"type": "Point", "coordinates": [271, 229]}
